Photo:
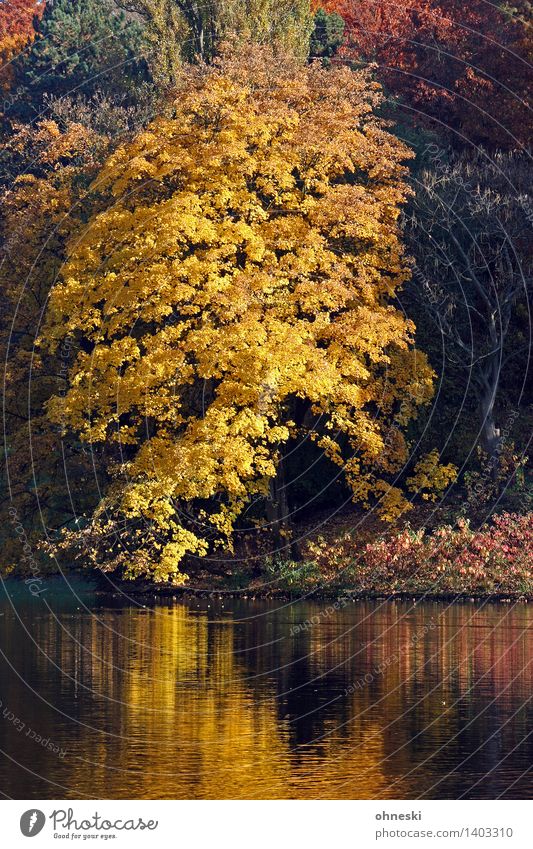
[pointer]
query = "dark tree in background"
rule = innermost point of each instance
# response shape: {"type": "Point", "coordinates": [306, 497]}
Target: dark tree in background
{"type": "Point", "coordinates": [469, 230]}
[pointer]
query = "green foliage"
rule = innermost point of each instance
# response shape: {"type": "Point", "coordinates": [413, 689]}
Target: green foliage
{"type": "Point", "coordinates": [54, 168]}
{"type": "Point", "coordinates": [83, 47]}
{"type": "Point", "coordinates": [285, 25]}
{"type": "Point", "coordinates": [181, 30]}
{"type": "Point", "coordinates": [288, 576]}
{"type": "Point", "coordinates": [327, 35]}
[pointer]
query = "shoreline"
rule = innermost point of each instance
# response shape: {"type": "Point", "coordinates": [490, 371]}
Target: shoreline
{"type": "Point", "coordinates": [447, 563]}
{"type": "Point", "coordinates": [318, 596]}
{"type": "Point", "coordinates": [153, 592]}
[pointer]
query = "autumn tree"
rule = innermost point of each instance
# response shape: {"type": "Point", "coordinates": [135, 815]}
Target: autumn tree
{"type": "Point", "coordinates": [466, 66]}
{"type": "Point", "coordinates": [16, 32]}
{"type": "Point", "coordinates": [234, 294]}
{"type": "Point", "coordinates": [469, 230]}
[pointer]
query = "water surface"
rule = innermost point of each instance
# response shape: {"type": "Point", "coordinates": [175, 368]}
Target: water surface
{"type": "Point", "coordinates": [249, 699]}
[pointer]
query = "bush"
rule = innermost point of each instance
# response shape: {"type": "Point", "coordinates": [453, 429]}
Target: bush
{"type": "Point", "coordinates": [495, 559]}
{"type": "Point", "coordinates": [289, 576]}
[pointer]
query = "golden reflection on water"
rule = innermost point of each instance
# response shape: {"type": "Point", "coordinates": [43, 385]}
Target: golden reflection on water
{"type": "Point", "coordinates": [240, 701]}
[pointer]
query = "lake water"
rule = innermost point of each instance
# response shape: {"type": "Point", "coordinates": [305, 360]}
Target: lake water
{"type": "Point", "coordinates": [247, 699]}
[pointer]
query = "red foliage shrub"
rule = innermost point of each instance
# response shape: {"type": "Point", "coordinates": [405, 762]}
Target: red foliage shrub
{"type": "Point", "coordinates": [495, 559]}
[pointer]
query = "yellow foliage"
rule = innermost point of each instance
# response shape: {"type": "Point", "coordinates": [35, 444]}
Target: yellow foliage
{"type": "Point", "coordinates": [242, 265]}
{"type": "Point", "coordinates": [431, 477]}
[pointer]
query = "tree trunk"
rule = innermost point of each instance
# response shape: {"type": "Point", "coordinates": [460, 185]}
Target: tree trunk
{"type": "Point", "coordinates": [279, 514]}
{"type": "Point", "coordinates": [490, 434]}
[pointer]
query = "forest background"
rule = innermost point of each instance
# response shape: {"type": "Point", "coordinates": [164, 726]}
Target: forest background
{"type": "Point", "coordinates": [266, 294]}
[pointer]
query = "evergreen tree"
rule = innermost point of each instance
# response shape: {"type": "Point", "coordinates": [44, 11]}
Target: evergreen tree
{"type": "Point", "coordinates": [83, 47]}
{"type": "Point", "coordinates": [327, 35]}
